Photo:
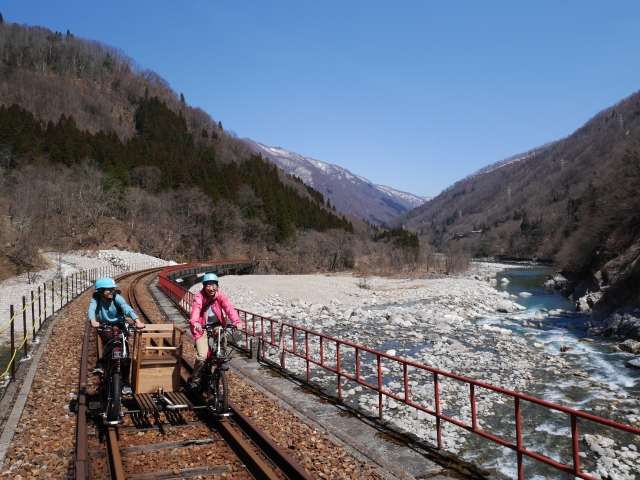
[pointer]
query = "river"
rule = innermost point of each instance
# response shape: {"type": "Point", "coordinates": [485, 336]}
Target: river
{"type": "Point", "coordinates": [608, 389]}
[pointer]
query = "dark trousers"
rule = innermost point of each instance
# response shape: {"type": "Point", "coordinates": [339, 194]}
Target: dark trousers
{"type": "Point", "coordinates": [107, 352]}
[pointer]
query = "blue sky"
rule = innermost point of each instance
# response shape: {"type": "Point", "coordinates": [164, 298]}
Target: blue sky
{"type": "Point", "coordinates": [410, 94]}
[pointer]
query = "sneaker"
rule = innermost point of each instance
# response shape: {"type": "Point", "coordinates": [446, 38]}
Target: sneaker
{"type": "Point", "coordinates": [193, 385]}
{"type": "Point", "coordinates": [224, 367]}
{"type": "Point", "coordinates": [126, 389]}
{"type": "Point", "coordinates": [98, 370]}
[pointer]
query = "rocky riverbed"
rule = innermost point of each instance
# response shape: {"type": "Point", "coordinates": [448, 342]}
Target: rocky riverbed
{"type": "Point", "coordinates": [439, 323]}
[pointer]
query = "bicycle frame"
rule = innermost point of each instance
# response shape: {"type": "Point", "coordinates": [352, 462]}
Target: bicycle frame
{"type": "Point", "coordinates": [215, 364]}
{"type": "Point", "coordinates": [115, 351]}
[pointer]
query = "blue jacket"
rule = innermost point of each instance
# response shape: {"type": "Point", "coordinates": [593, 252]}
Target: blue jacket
{"type": "Point", "coordinates": [111, 314]}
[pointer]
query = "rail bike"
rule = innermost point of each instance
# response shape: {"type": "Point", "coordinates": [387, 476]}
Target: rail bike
{"type": "Point", "coordinates": [155, 356]}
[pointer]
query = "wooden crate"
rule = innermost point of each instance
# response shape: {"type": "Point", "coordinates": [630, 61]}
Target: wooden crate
{"type": "Point", "coordinates": [156, 358]}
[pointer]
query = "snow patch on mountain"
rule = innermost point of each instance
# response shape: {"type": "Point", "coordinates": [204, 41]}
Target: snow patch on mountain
{"type": "Point", "coordinates": [349, 193]}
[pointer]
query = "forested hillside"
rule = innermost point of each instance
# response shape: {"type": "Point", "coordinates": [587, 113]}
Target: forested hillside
{"type": "Point", "coordinates": [574, 202]}
{"type": "Point", "coordinates": [95, 152]}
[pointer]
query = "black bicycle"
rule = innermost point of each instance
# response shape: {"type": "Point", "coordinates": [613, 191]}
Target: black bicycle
{"type": "Point", "coordinates": [115, 353]}
{"type": "Point", "coordinates": [214, 385]}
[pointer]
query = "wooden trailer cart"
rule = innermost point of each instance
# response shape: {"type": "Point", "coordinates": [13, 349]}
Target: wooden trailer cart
{"type": "Point", "coordinates": [156, 359]}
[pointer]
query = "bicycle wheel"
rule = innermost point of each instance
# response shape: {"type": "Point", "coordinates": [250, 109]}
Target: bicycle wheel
{"type": "Point", "coordinates": [219, 392]}
{"type": "Point", "coordinates": [115, 396]}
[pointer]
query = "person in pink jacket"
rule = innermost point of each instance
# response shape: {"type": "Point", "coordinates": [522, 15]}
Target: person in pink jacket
{"type": "Point", "coordinates": [208, 305]}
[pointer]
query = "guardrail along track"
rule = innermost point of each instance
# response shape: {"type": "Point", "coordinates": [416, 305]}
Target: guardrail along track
{"type": "Point", "coordinates": [171, 444]}
{"type": "Point", "coordinates": [346, 360]}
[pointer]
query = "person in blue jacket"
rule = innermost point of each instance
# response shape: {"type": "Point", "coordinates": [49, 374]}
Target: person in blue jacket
{"type": "Point", "coordinates": [108, 307]}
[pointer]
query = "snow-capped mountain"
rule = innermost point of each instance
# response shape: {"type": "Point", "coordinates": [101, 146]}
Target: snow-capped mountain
{"type": "Point", "coordinates": [349, 193]}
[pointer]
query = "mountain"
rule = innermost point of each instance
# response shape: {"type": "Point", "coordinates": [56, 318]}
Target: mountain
{"type": "Point", "coordinates": [573, 202]}
{"type": "Point", "coordinates": [351, 194]}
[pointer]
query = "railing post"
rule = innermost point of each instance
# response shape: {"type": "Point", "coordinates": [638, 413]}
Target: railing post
{"type": "Point", "coordinates": [33, 316]}
{"type": "Point", "coordinates": [283, 361]}
{"type": "Point", "coordinates": [24, 325]}
{"type": "Point", "coordinates": [574, 442]}
{"type": "Point", "coordinates": [474, 416]}
{"type": "Point", "coordinates": [519, 439]}
{"type": "Point", "coordinates": [436, 391]}
{"type": "Point", "coordinates": [406, 382]}
{"type": "Point", "coordinates": [44, 293]}
{"type": "Point", "coordinates": [13, 344]}
{"type": "Point", "coordinates": [61, 294]}
{"type": "Point", "coordinates": [306, 354]}
{"type": "Point", "coordinates": [338, 370]}
{"type": "Point", "coordinates": [379, 388]}
{"type": "Point", "coordinates": [357, 364]}
{"type": "Point", "coordinates": [53, 298]}
{"type": "Point", "coordinates": [39, 309]}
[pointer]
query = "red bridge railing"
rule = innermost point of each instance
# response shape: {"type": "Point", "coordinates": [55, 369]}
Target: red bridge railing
{"type": "Point", "coordinates": [268, 336]}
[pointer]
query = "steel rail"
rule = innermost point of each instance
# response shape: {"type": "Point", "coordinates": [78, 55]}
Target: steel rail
{"type": "Point", "coordinates": [255, 465]}
{"type": "Point", "coordinates": [81, 463]}
{"type": "Point", "coordinates": [115, 460]}
{"type": "Point", "coordinates": [184, 298]}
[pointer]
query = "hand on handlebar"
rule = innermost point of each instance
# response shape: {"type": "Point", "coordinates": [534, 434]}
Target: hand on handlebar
{"type": "Point", "coordinates": [95, 323]}
{"type": "Point", "coordinates": [197, 327]}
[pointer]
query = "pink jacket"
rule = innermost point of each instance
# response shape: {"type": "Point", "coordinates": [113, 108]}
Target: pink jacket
{"type": "Point", "coordinates": [200, 306]}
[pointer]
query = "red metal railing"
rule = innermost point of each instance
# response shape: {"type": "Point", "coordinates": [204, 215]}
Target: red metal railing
{"type": "Point", "coordinates": [184, 298]}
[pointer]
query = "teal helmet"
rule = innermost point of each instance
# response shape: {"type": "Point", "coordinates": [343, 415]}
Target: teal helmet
{"type": "Point", "coordinates": [105, 282]}
{"type": "Point", "coordinates": [210, 277]}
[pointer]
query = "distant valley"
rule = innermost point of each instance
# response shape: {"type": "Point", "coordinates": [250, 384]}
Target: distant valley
{"type": "Point", "coordinates": [351, 194]}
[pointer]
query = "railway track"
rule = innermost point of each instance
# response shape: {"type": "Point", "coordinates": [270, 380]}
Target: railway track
{"type": "Point", "coordinates": [171, 444]}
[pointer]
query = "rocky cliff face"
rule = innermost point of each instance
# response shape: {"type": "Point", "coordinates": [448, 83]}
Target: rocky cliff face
{"type": "Point", "coordinates": [612, 294]}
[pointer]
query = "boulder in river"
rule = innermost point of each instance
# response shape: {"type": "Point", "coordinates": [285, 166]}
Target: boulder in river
{"type": "Point", "coordinates": [537, 316]}
{"type": "Point", "coordinates": [505, 306]}
{"type": "Point", "coordinates": [631, 346]}
{"type": "Point", "coordinates": [635, 363]}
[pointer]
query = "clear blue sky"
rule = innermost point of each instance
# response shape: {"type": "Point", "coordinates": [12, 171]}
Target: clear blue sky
{"type": "Point", "coordinates": [410, 94]}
